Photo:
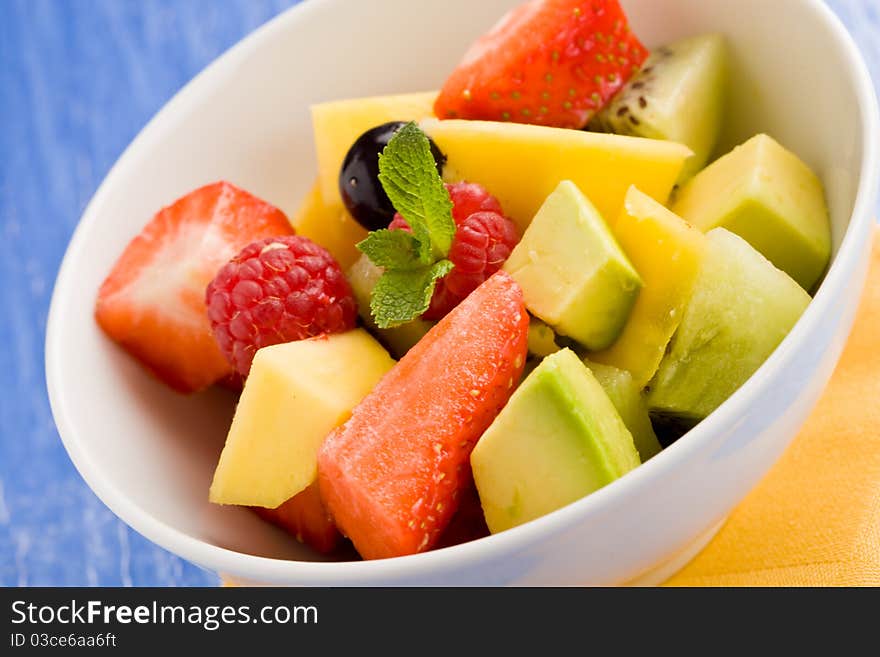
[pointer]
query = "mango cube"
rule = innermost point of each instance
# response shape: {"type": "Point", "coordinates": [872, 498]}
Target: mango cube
{"type": "Point", "coordinates": [337, 124]}
{"type": "Point", "coordinates": [522, 164]}
{"type": "Point", "coordinates": [295, 394]}
{"type": "Point", "coordinates": [666, 252]}
{"type": "Point", "coordinates": [330, 225]}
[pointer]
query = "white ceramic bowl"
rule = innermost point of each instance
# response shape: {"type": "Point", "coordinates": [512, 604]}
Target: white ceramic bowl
{"type": "Point", "coordinates": [149, 453]}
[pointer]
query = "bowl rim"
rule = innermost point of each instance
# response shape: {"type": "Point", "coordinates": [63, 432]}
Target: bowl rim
{"type": "Point", "coordinates": [372, 572]}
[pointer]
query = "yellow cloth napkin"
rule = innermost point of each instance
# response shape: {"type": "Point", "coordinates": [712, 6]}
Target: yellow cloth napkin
{"type": "Point", "coordinates": [815, 518]}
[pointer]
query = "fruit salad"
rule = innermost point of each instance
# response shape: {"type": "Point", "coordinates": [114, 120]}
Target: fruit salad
{"type": "Point", "coordinates": [497, 297]}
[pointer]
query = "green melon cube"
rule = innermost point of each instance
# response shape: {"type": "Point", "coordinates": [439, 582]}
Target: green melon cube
{"type": "Point", "coordinates": [741, 309]}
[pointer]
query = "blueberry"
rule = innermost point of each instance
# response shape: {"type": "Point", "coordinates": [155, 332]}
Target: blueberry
{"type": "Point", "coordinates": [359, 183]}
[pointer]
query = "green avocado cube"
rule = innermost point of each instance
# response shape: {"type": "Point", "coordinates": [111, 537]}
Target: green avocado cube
{"type": "Point", "coordinates": [769, 197]}
{"type": "Point", "coordinates": [574, 275]}
{"type": "Point", "coordinates": [558, 439]}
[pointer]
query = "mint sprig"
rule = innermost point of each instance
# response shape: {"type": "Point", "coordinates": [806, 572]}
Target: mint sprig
{"type": "Point", "coordinates": [401, 295]}
{"type": "Point", "coordinates": [393, 249]}
{"type": "Point", "coordinates": [412, 262]}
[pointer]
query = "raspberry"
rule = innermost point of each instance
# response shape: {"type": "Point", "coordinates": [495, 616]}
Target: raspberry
{"type": "Point", "coordinates": [483, 240]}
{"type": "Point", "coordinates": [277, 290]}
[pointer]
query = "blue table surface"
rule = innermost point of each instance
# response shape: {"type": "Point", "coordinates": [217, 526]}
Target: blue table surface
{"type": "Point", "coordinates": [78, 79]}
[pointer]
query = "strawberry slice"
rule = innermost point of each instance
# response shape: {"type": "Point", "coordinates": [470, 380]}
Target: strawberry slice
{"type": "Point", "coordinates": [153, 301]}
{"type": "Point", "coordinates": [550, 62]}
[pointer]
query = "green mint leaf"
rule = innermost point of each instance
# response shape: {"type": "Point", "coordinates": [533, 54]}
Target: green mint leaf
{"type": "Point", "coordinates": [392, 249]}
{"type": "Point", "coordinates": [402, 295]}
{"type": "Point", "coordinates": [409, 176]}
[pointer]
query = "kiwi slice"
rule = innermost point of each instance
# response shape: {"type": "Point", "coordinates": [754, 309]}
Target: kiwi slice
{"type": "Point", "coordinates": [677, 95]}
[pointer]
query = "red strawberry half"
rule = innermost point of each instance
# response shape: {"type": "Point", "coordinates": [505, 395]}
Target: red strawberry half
{"type": "Point", "coordinates": [550, 62]}
{"type": "Point", "coordinates": [153, 301]}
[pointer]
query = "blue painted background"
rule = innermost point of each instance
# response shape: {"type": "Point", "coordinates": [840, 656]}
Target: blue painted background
{"type": "Point", "coordinates": [78, 79]}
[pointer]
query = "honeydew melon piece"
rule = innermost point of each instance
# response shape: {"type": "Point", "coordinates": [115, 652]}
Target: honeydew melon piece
{"type": "Point", "coordinates": [768, 196]}
{"type": "Point", "coordinates": [558, 439]}
{"type": "Point", "coordinates": [666, 252]}
{"type": "Point", "coordinates": [741, 309]}
{"type": "Point", "coordinates": [337, 124]}
{"type": "Point", "coordinates": [522, 164]}
{"type": "Point", "coordinates": [295, 394]}
{"type": "Point", "coordinates": [574, 275]}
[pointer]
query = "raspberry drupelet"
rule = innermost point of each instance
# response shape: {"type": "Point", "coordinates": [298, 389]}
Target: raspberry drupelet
{"type": "Point", "coordinates": [483, 240]}
{"type": "Point", "coordinates": [277, 290]}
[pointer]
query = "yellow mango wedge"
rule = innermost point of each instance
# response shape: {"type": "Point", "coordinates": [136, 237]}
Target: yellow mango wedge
{"type": "Point", "coordinates": [666, 251]}
{"type": "Point", "coordinates": [330, 225]}
{"type": "Point", "coordinates": [522, 164]}
{"type": "Point", "coordinates": [337, 124]}
{"type": "Point", "coordinates": [296, 393]}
